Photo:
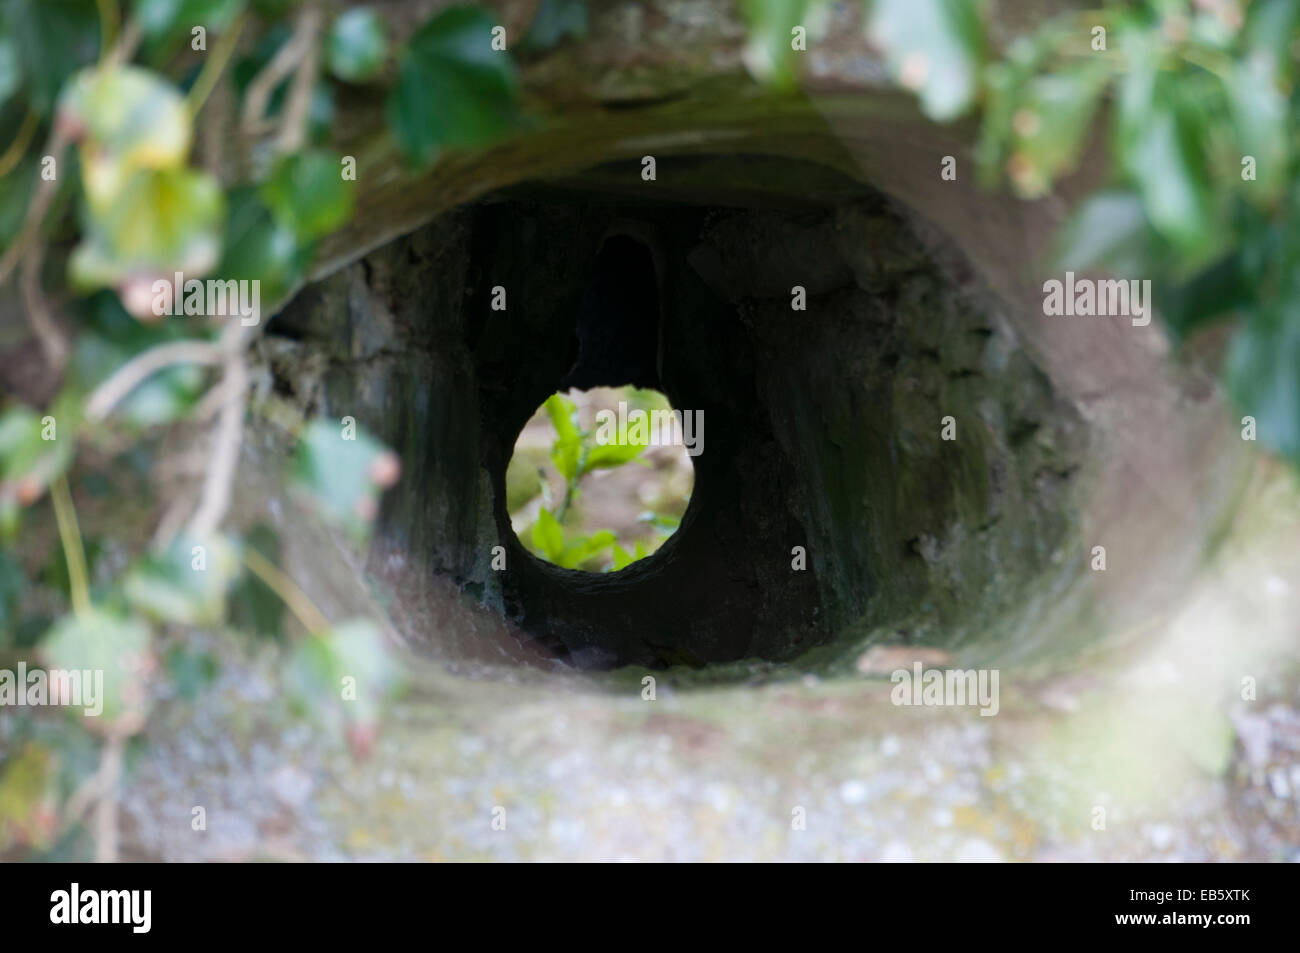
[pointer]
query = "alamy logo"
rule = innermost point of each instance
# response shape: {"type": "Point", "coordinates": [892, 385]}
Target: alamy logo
{"type": "Point", "coordinates": [132, 907]}
{"type": "Point", "coordinates": [946, 688]}
{"type": "Point", "coordinates": [1105, 298]}
{"type": "Point", "coordinates": [656, 428]}
{"type": "Point", "coordinates": [214, 297]}
{"type": "Point", "coordinates": [78, 688]}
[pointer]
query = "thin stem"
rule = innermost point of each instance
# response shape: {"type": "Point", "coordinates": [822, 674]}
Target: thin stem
{"type": "Point", "coordinates": [127, 377]}
{"type": "Point", "coordinates": [110, 17]}
{"type": "Point", "coordinates": [289, 592]}
{"type": "Point", "coordinates": [214, 67]}
{"type": "Point", "coordinates": [18, 148]}
{"type": "Point", "coordinates": [70, 535]}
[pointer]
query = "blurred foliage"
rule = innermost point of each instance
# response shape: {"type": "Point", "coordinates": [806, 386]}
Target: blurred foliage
{"type": "Point", "coordinates": [102, 125]}
{"type": "Point", "coordinates": [1198, 104]}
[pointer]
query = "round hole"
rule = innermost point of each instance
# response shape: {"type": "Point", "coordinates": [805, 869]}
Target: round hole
{"type": "Point", "coordinates": [600, 478]}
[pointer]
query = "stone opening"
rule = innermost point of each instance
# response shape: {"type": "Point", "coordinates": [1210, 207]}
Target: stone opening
{"type": "Point", "coordinates": [599, 479]}
{"type": "Point", "coordinates": [824, 332]}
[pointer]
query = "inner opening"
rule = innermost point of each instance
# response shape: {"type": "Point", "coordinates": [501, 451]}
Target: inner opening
{"type": "Point", "coordinates": [884, 460]}
{"type": "Point", "coordinates": [600, 478]}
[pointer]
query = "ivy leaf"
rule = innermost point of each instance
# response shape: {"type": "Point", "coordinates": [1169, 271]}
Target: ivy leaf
{"type": "Point", "coordinates": [452, 88]}
{"type": "Point", "coordinates": [556, 19]}
{"type": "Point", "coordinates": [259, 247]}
{"type": "Point", "coordinates": [28, 461]}
{"type": "Point", "coordinates": [105, 642]}
{"type": "Point", "coordinates": [162, 221]}
{"type": "Point", "coordinates": [341, 469]}
{"type": "Point", "coordinates": [1050, 125]}
{"type": "Point", "coordinates": [307, 193]}
{"type": "Point", "coordinates": [345, 672]}
{"type": "Point", "coordinates": [357, 45]}
{"type": "Point", "coordinates": [187, 584]}
{"type": "Point", "coordinates": [934, 48]}
{"type": "Point", "coordinates": [1261, 373]}
{"type": "Point", "coordinates": [1260, 121]}
{"type": "Point", "coordinates": [131, 119]}
{"type": "Point", "coordinates": [166, 18]}
{"type": "Point", "coordinates": [1161, 151]}
{"type": "Point", "coordinates": [53, 40]}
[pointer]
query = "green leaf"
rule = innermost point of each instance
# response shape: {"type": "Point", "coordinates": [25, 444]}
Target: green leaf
{"type": "Point", "coordinates": [453, 89]}
{"type": "Point", "coordinates": [548, 536]}
{"type": "Point", "coordinates": [165, 18]}
{"type": "Point", "coordinates": [1261, 373]}
{"type": "Point", "coordinates": [161, 222]}
{"type": "Point", "coordinates": [357, 45]}
{"type": "Point", "coordinates": [606, 455]}
{"type": "Point", "coordinates": [11, 71]}
{"type": "Point", "coordinates": [307, 193]}
{"type": "Point", "coordinates": [769, 53]}
{"type": "Point", "coordinates": [554, 20]}
{"type": "Point", "coordinates": [341, 469]}
{"type": "Point", "coordinates": [1161, 148]}
{"type": "Point", "coordinates": [257, 246]}
{"type": "Point", "coordinates": [104, 642]}
{"type": "Point", "coordinates": [54, 40]}
{"type": "Point", "coordinates": [567, 450]}
{"type": "Point", "coordinates": [621, 558]}
{"type": "Point", "coordinates": [932, 47]}
{"type": "Point", "coordinates": [1260, 120]}
{"type": "Point", "coordinates": [187, 584]}
{"type": "Point", "coordinates": [133, 119]}
{"type": "Point", "coordinates": [345, 671]}
{"type": "Point", "coordinates": [584, 548]}
{"type": "Point", "coordinates": [1050, 126]}
{"type": "Point", "coordinates": [28, 461]}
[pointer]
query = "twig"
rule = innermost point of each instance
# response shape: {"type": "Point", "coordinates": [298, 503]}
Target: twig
{"type": "Point", "coordinates": [297, 110]}
{"type": "Point", "coordinates": [106, 828]}
{"type": "Point", "coordinates": [110, 18]}
{"type": "Point", "coordinates": [85, 795]}
{"type": "Point", "coordinates": [135, 371]}
{"type": "Point", "coordinates": [65, 514]}
{"type": "Point", "coordinates": [53, 344]}
{"type": "Point", "coordinates": [214, 67]}
{"type": "Point", "coordinates": [40, 204]}
{"type": "Point", "coordinates": [126, 46]}
{"type": "Point", "coordinates": [278, 69]}
{"type": "Point", "coordinates": [312, 619]}
{"type": "Point", "coordinates": [214, 498]}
